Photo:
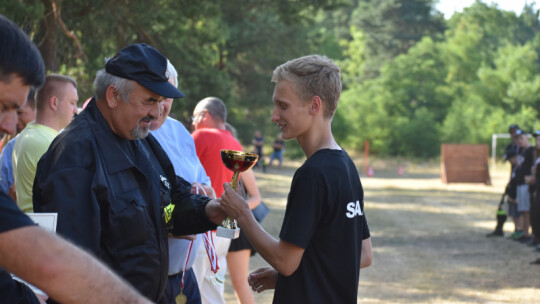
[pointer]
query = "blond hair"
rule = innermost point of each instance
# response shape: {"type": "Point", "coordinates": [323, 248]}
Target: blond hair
{"type": "Point", "coordinates": [313, 75]}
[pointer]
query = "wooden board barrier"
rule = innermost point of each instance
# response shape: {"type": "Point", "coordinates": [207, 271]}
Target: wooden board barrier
{"type": "Point", "coordinates": [462, 163]}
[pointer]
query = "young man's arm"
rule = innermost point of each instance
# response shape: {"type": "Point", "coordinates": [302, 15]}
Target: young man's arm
{"type": "Point", "coordinates": [283, 256]}
{"type": "Point", "coordinates": [66, 273]}
{"type": "Point", "coordinates": [367, 254]}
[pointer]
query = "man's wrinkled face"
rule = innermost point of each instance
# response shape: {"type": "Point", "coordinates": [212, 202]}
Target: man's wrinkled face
{"type": "Point", "coordinates": [132, 120]}
{"type": "Point", "coordinates": [13, 94]}
{"type": "Point", "coordinates": [165, 111]}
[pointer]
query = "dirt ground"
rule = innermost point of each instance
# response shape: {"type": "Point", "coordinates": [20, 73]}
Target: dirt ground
{"type": "Point", "coordinates": [429, 243]}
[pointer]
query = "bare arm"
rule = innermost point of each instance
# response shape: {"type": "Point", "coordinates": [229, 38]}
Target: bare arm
{"type": "Point", "coordinates": [283, 256]}
{"type": "Point", "coordinates": [65, 272]}
{"type": "Point", "coordinates": [248, 179]}
{"type": "Point", "coordinates": [367, 254]}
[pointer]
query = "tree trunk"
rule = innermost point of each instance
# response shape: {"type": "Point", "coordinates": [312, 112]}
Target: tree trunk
{"type": "Point", "coordinates": [47, 45]}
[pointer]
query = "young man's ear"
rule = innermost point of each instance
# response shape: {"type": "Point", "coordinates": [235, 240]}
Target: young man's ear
{"type": "Point", "coordinates": [111, 96]}
{"type": "Point", "coordinates": [315, 105]}
{"type": "Point", "coordinates": [53, 103]}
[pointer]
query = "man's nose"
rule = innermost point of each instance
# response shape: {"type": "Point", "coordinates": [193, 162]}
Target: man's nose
{"type": "Point", "coordinates": [8, 123]}
{"type": "Point", "coordinates": [275, 116]}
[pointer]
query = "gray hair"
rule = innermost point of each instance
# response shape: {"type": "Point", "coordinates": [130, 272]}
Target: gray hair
{"type": "Point", "coordinates": [104, 80]}
{"type": "Point", "coordinates": [215, 107]}
{"type": "Point", "coordinates": [313, 75]}
{"type": "Point", "coordinates": [171, 73]}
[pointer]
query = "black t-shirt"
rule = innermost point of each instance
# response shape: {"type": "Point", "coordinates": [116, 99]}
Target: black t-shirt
{"type": "Point", "coordinates": [325, 216]}
{"type": "Point", "coordinates": [524, 168]}
{"type": "Point", "coordinates": [11, 217]}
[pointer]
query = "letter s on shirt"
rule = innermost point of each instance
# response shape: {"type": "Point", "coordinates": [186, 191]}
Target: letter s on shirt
{"type": "Point", "coordinates": [353, 209]}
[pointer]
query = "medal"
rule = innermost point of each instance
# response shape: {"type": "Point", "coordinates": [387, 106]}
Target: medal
{"type": "Point", "coordinates": [180, 299]}
{"type": "Point", "coordinates": [217, 278]}
{"type": "Point", "coordinates": [216, 275]}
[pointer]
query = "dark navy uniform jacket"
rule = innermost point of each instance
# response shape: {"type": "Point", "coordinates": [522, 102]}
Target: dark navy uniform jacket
{"type": "Point", "coordinates": [110, 192]}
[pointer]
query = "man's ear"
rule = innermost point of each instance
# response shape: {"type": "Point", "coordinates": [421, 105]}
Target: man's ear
{"type": "Point", "coordinates": [112, 96]}
{"type": "Point", "coordinates": [53, 103]}
{"type": "Point", "coordinates": [315, 105]}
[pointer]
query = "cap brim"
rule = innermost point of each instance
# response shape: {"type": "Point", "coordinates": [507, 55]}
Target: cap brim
{"type": "Point", "coordinates": [165, 89]}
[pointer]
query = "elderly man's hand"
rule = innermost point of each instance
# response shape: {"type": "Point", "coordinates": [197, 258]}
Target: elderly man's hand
{"type": "Point", "coordinates": [233, 204]}
{"type": "Point", "coordinates": [214, 212]}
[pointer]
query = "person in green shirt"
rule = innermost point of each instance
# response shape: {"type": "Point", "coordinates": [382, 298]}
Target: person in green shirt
{"type": "Point", "coordinates": [56, 104]}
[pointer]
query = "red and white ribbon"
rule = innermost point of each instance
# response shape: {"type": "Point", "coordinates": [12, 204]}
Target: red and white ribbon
{"type": "Point", "coordinates": [208, 241]}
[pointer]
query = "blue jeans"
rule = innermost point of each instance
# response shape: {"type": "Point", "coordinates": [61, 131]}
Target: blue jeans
{"type": "Point", "coordinates": [278, 155]}
{"type": "Point", "coordinates": [191, 290]}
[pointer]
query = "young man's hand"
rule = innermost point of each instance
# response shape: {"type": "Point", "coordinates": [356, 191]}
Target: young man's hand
{"type": "Point", "coordinates": [262, 279]}
{"type": "Point", "coordinates": [233, 204]}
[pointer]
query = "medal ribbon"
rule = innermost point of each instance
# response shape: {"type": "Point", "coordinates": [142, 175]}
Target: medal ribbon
{"type": "Point", "coordinates": [185, 265]}
{"type": "Point", "coordinates": [208, 240]}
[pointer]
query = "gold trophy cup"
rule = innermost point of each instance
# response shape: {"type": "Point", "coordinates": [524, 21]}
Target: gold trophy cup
{"type": "Point", "coordinates": [236, 161]}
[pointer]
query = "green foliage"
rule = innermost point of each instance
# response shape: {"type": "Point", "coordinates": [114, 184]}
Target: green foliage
{"type": "Point", "coordinates": [411, 80]}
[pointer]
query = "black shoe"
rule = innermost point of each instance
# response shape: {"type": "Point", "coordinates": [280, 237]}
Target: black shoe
{"type": "Point", "coordinates": [537, 262]}
{"type": "Point", "coordinates": [524, 239]}
{"type": "Point", "coordinates": [495, 233]}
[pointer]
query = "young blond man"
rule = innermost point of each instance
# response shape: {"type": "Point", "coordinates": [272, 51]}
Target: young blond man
{"type": "Point", "coordinates": [324, 239]}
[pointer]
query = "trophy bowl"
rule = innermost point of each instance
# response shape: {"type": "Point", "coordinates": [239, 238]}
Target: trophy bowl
{"type": "Point", "coordinates": [236, 161]}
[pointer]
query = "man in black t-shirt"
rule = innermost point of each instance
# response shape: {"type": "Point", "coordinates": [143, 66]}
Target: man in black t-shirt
{"type": "Point", "coordinates": [325, 239]}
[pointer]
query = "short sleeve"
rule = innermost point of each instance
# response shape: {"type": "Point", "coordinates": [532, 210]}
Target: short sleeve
{"type": "Point", "coordinates": [304, 206]}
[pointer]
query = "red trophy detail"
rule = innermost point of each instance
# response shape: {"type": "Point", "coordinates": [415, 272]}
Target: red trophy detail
{"type": "Point", "coordinates": [236, 161]}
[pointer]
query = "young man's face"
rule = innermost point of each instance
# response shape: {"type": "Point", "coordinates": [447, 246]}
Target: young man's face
{"type": "Point", "coordinates": [13, 95]}
{"type": "Point", "coordinates": [290, 113]}
{"type": "Point", "coordinates": [67, 105]}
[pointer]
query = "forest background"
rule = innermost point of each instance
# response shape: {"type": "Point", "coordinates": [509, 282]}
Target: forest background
{"type": "Point", "coordinates": [411, 78]}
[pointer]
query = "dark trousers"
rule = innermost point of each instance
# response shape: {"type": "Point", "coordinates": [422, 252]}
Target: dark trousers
{"type": "Point", "coordinates": [191, 290]}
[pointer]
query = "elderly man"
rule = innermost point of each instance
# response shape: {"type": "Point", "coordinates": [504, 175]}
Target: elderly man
{"type": "Point", "coordinates": [65, 272]}
{"type": "Point", "coordinates": [111, 182]}
{"type": "Point", "coordinates": [178, 143]}
{"type": "Point", "coordinates": [56, 104]}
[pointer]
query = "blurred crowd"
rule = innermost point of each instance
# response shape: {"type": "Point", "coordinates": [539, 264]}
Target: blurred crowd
{"type": "Point", "coordinates": [521, 198]}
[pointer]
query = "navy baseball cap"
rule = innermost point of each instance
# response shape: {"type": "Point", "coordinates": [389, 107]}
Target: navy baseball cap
{"type": "Point", "coordinates": [513, 127]}
{"type": "Point", "coordinates": [145, 65]}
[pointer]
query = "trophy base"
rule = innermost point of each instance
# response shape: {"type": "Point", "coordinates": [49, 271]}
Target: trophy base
{"type": "Point", "coordinates": [227, 232]}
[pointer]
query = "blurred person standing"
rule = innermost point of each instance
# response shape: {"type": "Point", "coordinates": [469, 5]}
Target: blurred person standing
{"type": "Point", "coordinates": [258, 145]}
{"type": "Point", "coordinates": [279, 149]}
{"type": "Point", "coordinates": [56, 104]}
{"type": "Point", "coordinates": [522, 190]}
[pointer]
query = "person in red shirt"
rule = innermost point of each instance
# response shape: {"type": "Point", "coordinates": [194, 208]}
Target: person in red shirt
{"type": "Point", "coordinates": [211, 136]}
